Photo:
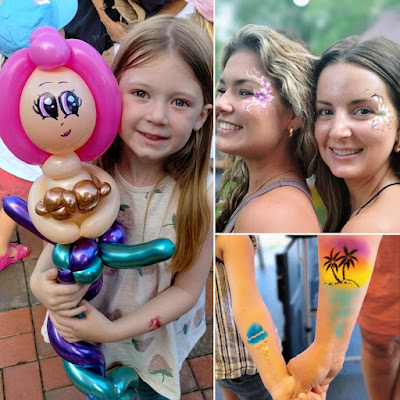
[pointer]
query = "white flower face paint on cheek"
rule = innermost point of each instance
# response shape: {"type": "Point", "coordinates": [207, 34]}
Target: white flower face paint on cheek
{"type": "Point", "coordinates": [383, 116]}
{"type": "Point", "coordinates": [261, 99]}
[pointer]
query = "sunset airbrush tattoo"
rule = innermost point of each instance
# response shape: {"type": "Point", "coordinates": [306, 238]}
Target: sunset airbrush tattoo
{"type": "Point", "coordinates": [346, 264]}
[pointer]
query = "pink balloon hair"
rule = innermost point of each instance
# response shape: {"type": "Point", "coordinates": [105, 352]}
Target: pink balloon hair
{"type": "Point", "coordinates": [49, 50]}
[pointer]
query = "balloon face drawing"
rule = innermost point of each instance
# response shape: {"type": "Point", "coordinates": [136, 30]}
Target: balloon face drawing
{"type": "Point", "coordinates": [57, 109]}
{"type": "Point", "coordinates": [62, 109]}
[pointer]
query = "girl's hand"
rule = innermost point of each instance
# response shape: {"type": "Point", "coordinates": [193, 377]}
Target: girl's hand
{"type": "Point", "coordinates": [286, 390]}
{"type": "Point", "coordinates": [313, 371]}
{"type": "Point", "coordinates": [311, 396]}
{"type": "Point", "coordinates": [94, 327]}
{"type": "Point", "coordinates": [54, 296]}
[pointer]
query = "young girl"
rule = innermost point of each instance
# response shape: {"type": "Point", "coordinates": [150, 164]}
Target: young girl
{"type": "Point", "coordinates": [150, 319]}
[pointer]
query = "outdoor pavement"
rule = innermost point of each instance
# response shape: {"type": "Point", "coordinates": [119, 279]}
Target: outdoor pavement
{"type": "Point", "coordinates": [29, 367]}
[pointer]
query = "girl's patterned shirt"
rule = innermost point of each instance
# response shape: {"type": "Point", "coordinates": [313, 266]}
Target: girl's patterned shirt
{"type": "Point", "coordinates": [158, 355]}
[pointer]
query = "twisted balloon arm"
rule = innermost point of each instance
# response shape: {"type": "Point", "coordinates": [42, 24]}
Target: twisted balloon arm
{"type": "Point", "coordinates": [82, 262]}
{"type": "Point", "coordinates": [17, 209]}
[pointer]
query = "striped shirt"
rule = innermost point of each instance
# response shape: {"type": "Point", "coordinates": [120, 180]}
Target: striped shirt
{"type": "Point", "coordinates": [232, 359]}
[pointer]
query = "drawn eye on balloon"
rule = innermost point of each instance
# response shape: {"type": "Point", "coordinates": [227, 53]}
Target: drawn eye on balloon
{"type": "Point", "coordinates": [69, 103]}
{"type": "Point", "coordinates": [46, 104]}
{"type": "Point", "coordinates": [262, 98]}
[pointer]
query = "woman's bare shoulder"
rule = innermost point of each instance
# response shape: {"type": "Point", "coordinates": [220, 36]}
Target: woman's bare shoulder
{"type": "Point", "coordinates": [381, 217]}
{"type": "Point", "coordinates": [283, 210]}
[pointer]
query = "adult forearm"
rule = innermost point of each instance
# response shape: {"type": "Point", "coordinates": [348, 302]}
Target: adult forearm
{"type": "Point", "coordinates": [346, 263]}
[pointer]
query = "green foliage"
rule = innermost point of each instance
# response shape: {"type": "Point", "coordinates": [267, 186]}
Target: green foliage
{"type": "Point", "coordinates": [320, 24]}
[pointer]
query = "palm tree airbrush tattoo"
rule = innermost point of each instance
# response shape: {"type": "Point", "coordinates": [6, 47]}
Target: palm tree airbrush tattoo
{"type": "Point", "coordinates": [336, 261]}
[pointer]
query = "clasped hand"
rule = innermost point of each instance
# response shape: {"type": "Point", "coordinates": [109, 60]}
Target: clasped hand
{"type": "Point", "coordinates": [310, 374]}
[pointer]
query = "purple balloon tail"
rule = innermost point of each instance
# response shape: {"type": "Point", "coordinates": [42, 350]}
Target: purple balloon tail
{"type": "Point", "coordinates": [80, 353]}
{"type": "Point", "coordinates": [17, 209]}
{"type": "Point", "coordinates": [65, 276]}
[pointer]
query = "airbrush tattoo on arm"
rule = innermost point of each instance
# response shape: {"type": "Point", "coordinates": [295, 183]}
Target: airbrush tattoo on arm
{"type": "Point", "coordinates": [251, 315]}
{"type": "Point", "coordinates": [345, 263]}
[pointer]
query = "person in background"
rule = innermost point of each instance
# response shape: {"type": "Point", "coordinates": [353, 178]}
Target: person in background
{"type": "Point", "coordinates": [379, 322]}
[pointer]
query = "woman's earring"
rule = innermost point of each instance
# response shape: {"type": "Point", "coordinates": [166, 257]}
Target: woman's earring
{"type": "Point", "coordinates": [396, 147]}
{"type": "Point", "coordinates": [291, 132]}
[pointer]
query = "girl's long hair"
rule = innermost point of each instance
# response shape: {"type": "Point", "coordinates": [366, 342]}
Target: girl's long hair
{"type": "Point", "coordinates": [289, 64]}
{"type": "Point", "coordinates": [189, 167]}
{"type": "Point", "coordinates": [381, 56]}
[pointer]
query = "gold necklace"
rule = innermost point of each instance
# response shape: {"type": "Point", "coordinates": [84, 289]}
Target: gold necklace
{"type": "Point", "coordinates": [270, 179]}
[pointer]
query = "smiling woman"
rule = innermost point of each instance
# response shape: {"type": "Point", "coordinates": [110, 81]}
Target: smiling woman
{"type": "Point", "coordinates": [357, 130]}
{"type": "Point", "coordinates": [264, 111]}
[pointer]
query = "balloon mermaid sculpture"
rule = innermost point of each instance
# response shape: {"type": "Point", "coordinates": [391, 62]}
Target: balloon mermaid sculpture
{"type": "Point", "coordinates": [60, 106]}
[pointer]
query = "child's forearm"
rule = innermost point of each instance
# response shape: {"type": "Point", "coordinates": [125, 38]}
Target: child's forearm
{"type": "Point", "coordinates": [168, 306]}
{"type": "Point", "coordinates": [251, 316]}
{"type": "Point", "coordinates": [172, 303]}
{"type": "Point", "coordinates": [258, 332]}
{"type": "Point", "coordinates": [346, 263]}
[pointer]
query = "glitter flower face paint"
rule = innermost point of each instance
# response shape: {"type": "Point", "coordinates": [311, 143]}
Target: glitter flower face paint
{"type": "Point", "coordinates": [262, 98]}
{"type": "Point", "coordinates": [383, 116]}
{"type": "Point", "coordinates": [251, 116]}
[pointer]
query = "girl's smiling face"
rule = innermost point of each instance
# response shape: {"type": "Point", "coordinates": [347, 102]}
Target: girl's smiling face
{"type": "Point", "coordinates": [251, 118]}
{"type": "Point", "coordinates": [162, 105]}
{"type": "Point", "coordinates": [356, 122]}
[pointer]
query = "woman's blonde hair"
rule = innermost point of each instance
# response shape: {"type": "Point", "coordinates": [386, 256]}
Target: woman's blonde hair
{"type": "Point", "coordinates": [289, 64]}
{"type": "Point", "coordinates": [381, 56]}
{"type": "Point", "coordinates": [189, 167]}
